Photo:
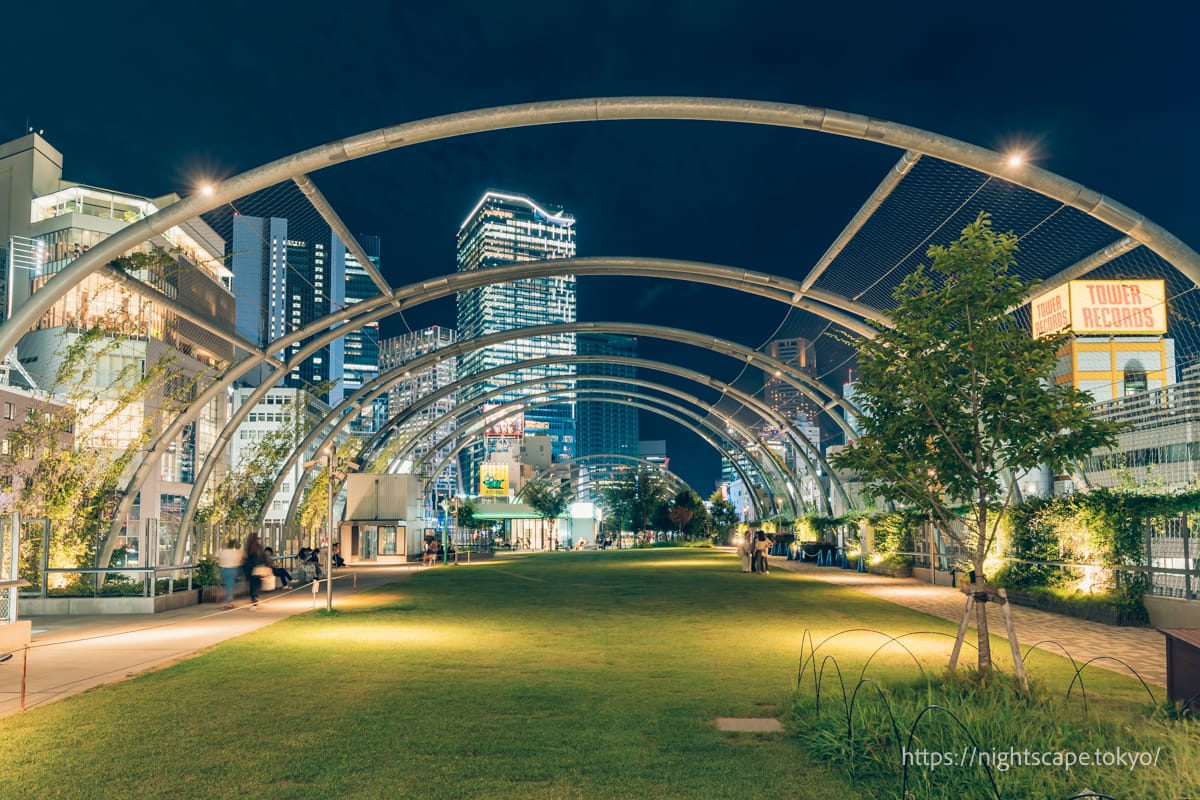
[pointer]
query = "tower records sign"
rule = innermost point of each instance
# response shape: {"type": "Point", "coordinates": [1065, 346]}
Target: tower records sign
{"type": "Point", "coordinates": [1102, 307]}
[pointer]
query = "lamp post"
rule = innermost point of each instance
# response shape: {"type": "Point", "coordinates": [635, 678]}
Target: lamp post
{"type": "Point", "coordinates": [449, 506]}
{"type": "Point", "coordinates": [329, 455]}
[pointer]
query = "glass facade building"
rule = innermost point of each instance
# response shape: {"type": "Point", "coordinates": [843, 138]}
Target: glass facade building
{"type": "Point", "coordinates": [606, 428]}
{"type": "Point", "coordinates": [416, 386]}
{"type": "Point", "coordinates": [360, 348]}
{"type": "Point", "coordinates": [504, 228]}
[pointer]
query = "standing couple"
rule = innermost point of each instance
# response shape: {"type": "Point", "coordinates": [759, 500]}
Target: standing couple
{"type": "Point", "coordinates": [754, 552]}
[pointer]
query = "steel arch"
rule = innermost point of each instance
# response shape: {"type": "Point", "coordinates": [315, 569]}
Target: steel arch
{"type": "Point", "coordinates": [429, 429]}
{"type": "Point", "coordinates": [904, 137]}
{"type": "Point", "coordinates": [574, 460]}
{"type": "Point", "coordinates": [454, 453]}
{"type": "Point", "coordinates": [779, 469]}
{"type": "Point", "coordinates": [757, 406]}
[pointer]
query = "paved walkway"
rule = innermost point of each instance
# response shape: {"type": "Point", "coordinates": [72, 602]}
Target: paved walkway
{"type": "Point", "coordinates": [1144, 649]}
{"type": "Point", "coordinates": [72, 653]}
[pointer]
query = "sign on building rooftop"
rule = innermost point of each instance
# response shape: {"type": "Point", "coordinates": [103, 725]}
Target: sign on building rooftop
{"type": "Point", "coordinates": [1119, 308]}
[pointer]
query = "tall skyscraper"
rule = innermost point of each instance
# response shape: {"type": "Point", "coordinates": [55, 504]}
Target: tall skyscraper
{"type": "Point", "coordinates": [606, 428]}
{"type": "Point", "coordinates": [360, 348]}
{"type": "Point", "coordinates": [504, 228]}
{"type": "Point", "coordinates": [289, 271]}
{"type": "Point", "coordinates": [800, 354]}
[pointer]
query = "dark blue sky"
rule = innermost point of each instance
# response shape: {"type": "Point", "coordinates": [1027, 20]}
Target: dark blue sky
{"type": "Point", "coordinates": [149, 97]}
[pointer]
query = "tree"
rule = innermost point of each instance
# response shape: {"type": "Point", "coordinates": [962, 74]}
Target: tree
{"type": "Point", "coordinates": [633, 496]}
{"type": "Point", "coordinates": [241, 496]}
{"type": "Point", "coordinates": [724, 516]}
{"type": "Point", "coordinates": [688, 514]}
{"type": "Point", "coordinates": [958, 398]}
{"type": "Point", "coordinates": [548, 501]}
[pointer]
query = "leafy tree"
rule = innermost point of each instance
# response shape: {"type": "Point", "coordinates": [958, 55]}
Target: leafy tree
{"type": "Point", "coordinates": [548, 501]}
{"type": "Point", "coordinates": [239, 499]}
{"type": "Point", "coordinates": [723, 515]}
{"type": "Point", "coordinates": [633, 496]}
{"type": "Point", "coordinates": [66, 466]}
{"type": "Point", "coordinates": [688, 514]}
{"type": "Point", "coordinates": [957, 397]}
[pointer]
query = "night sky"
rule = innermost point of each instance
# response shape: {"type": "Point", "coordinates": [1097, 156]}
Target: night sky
{"type": "Point", "coordinates": [150, 98]}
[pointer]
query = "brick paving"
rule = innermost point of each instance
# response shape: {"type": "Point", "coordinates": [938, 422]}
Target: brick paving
{"type": "Point", "coordinates": [1142, 648]}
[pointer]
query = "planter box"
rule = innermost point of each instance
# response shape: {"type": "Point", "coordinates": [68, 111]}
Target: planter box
{"type": "Point", "coordinates": [893, 572]}
{"type": "Point", "coordinates": [38, 606]}
{"type": "Point", "coordinates": [216, 594]}
{"type": "Point", "coordinates": [1109, 615]}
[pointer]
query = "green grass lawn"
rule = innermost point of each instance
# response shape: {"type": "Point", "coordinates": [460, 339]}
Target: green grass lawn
{"type": "Point", "coordinates": [590, 675]}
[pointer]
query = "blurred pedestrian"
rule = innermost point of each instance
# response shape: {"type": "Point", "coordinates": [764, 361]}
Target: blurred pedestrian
{"type": "Point", "coordinates": [229, 558]}
{"type": "Point", "coordinates": [255, 566]}
{"type": "Point", "coordinates": [746, 550]}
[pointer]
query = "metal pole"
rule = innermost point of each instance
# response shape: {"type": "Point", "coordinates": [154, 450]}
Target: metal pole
{"type": "Point", "coordinates": [445, 532]}
{"type": "Point", "coordinates": [14, 563]}
{"type": "Point", "coordinates": [329, 547]}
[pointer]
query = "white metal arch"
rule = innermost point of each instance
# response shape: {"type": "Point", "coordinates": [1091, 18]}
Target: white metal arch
{"type": "Point", "coordinates": [298, 165]}
{"type": "Point", "coordinates": [504, 413]}
{"type": "Point", "coordinates": [763, 466]}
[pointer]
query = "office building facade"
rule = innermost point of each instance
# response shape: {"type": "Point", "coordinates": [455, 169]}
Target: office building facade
{"type": "Point", "coordinates": [45, 223]}
{"type": "Point", "coordinates": [505, 228]}
{"type": "Point", "coordinates": [414, 387]}
{"type": "Point", "coordinates": [606, 428]}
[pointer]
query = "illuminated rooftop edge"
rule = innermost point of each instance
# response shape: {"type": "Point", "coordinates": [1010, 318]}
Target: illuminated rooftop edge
{"type": "Point", "coordinates": [560, 218]}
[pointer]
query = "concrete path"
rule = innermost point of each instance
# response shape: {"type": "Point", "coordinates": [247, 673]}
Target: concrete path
{"type": "Point", "coordinates": [69, 654]}
{"type": "Point", "coordinates": [1144, 649]}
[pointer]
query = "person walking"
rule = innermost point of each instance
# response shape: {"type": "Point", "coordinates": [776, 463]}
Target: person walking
{"type": "Point", "coordinates": [746, 550]}
{"type": "Point", "coordinates": [255, 563]}
{"type": "Point", "coordinates": [229, 558]}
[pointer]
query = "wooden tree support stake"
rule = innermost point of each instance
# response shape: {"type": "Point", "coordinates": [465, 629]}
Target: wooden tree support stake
{"type": "Point", "coordinates": [1018, 663]}
{"type": "Point", "coordinates": [962, 632]}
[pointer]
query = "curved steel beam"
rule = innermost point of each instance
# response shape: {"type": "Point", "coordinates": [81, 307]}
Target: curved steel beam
{"type": "Point", "coordinates": [575, 461]}
{"type": "Point", "coordinates": [749, 401]}
{"type": "Point", "coordinates": [423, 291]}
{"type": "Point", "coordinates": [989, 162]}
{"type": "Point", "coordinates": [666, 414]}
{"type": "Point", "coordinates": [760, 408]}
{"type": "Point", "coordinates": [433, 425]}
{"type": "Point", "coordinates": [780, 470]}
{"type": "Point", "coordinates": [376, 387]}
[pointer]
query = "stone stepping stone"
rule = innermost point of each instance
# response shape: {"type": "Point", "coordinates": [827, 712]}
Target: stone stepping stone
{"type": "Point", "coordinates": [749, 724]}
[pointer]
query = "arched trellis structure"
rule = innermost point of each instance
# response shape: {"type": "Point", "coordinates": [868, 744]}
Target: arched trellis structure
{"type": "Point", "coordinates": [822, 396]}
{"type": "Point", "coordinates": [298, 166]}
{"type": "Point", "coordinates": [373, 309]}
{"type": "Point", "coordinates": [766, 467]}
{"type": "Point", "coordinates": [607, 458]}
{"type": "Point", "coordinates": [747, 400]}
{"type": "Point", "coordinates": [696, 419]}
{"type": "Point", "coordinates": [477, 427]}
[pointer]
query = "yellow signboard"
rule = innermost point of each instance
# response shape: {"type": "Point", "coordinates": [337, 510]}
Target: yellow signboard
{"type": "Point", "coordinates": [1132, 307]}
{"type": "Point", "coordinates": [493, 480]}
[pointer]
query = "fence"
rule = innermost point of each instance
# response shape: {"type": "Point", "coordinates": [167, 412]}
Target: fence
{"type": "Point", "coordinates": [1171, 559]}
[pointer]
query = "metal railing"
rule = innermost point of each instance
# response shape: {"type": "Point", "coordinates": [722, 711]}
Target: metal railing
{"type": "Point", "coordinates": [116, 581]}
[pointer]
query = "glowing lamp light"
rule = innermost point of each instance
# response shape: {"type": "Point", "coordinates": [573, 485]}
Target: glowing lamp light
{"type": "Point", "coordinates": [207, 189]}
{"type": "Point", "coordinates": [1016, 159]}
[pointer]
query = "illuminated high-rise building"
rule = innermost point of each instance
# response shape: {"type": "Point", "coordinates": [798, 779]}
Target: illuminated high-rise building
{"type": "Point", "coordinates": [504, 228]}
{"type": "Point", "coordinates": [606, 428]}
{"type": "Point", "coordinates": [416, 386]}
